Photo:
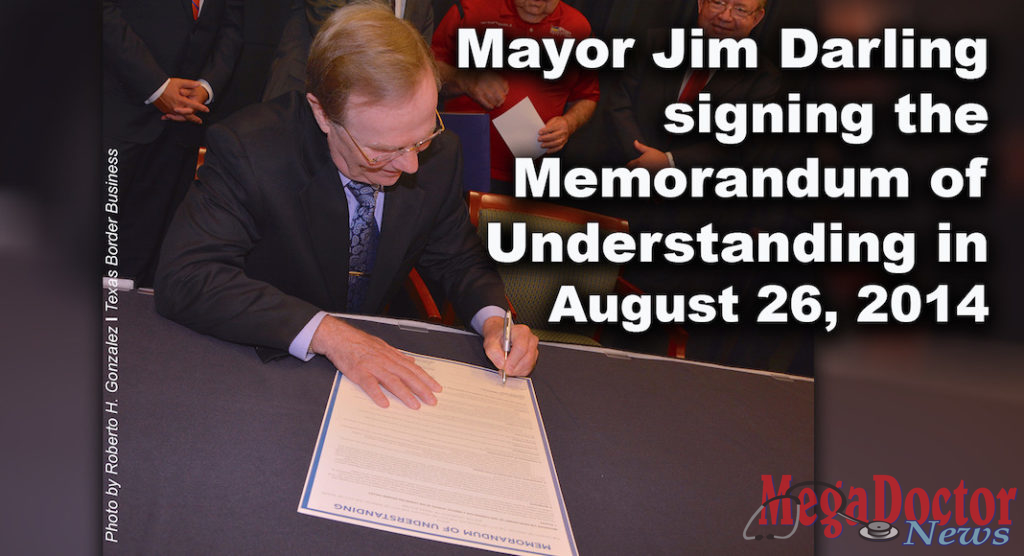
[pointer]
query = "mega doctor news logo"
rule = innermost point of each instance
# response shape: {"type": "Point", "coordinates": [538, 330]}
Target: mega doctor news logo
{"type": "Point", "coordinates": [884, 511]}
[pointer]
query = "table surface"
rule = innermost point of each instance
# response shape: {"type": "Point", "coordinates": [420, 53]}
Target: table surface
{"type": "Point", "coordinates": [653, 455]}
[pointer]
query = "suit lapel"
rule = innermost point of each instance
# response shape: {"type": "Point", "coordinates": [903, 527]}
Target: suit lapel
{"type": "Point", "coordinates": [326, 211]}
{"type": "Point", "coordinates": [401, 210]}
{"type": "Point", "coordinates": [722, 84]}
{"type": "Point", "coordinates": [186, 6]}
{"type": "Point", "coordinates": [669, 83]}
{"type": "Point", "coordinates": [666, 84]}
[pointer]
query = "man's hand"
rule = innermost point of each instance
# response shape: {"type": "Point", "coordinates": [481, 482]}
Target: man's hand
{"type": "Point", "coordinates": [371, 363]}
{"type": "Point", "coordinates": [487, 88]}
{"type": "Point", "coordinates": [198, 94]}
{"type": "Point", "coordinates": [523, 356]}
{"type": "Point", "coordinates": [649, 158]}
{"type": "Point", "coordinates": [180, 101]}
{"type": "Point", "coordinates": [554, 134]}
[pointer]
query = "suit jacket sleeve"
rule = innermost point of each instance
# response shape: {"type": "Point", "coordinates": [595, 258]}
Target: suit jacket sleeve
{"type": "Point", "coordinates": [620, 101]}
{"type": "Point", "coordinates": [644, 86]}
{"type": "Point", "coordinates": [226, 49]}
{"type": "Point", "coordinates": [421, 14]}
{"type": "Point", "coordinates": [622, 121]}
{"type": "Point", "coordinates": [127, 56]}
{"type": "Point", "coordinates": [201, 282]}
{"type": "Point", "coordinates": [455, 257]}
{"type": "Point", "coordinates": [762, 86]}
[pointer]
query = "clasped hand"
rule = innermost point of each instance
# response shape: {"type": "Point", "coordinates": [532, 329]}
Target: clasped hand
{"type": "Point", "coordinates": [181, 100]}
{"type": "Point", "coordinates": [487, 88]}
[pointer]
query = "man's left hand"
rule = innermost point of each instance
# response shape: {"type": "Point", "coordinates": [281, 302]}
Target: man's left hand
{"type": "Point", "coordinates": [179, 101]}
{"type": "Point", "coordinates": [523, 356]}
{"type": "Point", "coordinates": [650, 158]}
{"type": "Point", "coordinates": [554, 134]}
{"type": "Point", "coordinates": [197, 94]}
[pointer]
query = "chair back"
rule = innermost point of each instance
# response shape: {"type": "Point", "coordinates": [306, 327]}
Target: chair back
{"type": "Point", "coordinates": [474, 131]}
{"type": "Point", "coordinates": [532, 288]}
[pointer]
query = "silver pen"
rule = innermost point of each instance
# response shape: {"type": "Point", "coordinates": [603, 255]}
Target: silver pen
{"type": "Point", "coordinates": [506, 341]}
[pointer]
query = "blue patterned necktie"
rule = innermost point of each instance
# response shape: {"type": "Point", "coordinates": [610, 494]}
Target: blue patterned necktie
{"type": "Point", "coordinates": [362, 237]}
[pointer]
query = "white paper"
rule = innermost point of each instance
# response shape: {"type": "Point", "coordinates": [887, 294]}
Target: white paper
{"type": "Point", "coordinates": [519, 127]}
{"type": "Point", "coordinates": [473, 470]}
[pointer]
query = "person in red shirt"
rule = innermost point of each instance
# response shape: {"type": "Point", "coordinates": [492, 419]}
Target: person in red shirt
{"type": "Point", "coordinates": [564, 104]}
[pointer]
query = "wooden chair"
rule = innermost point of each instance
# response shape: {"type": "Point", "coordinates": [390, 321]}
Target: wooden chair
{"type": "Point", "coordinates": [200, 161]}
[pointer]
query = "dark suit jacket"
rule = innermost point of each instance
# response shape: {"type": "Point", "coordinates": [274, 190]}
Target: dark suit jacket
{"type": "Point", "coordinates": [145, 42]}
{"type": "Point", "coordinates": [288, 70]}
{"type": "Point", "coordinates": [261, 241]}
{"type": "Point", "coordinates": [635, 109]}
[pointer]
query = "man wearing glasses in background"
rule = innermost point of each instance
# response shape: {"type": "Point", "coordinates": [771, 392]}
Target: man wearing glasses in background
{"type": "Point", "coordinates": [324, 202]}
{"type": "Point", "coordinates": [634, 121]}
{"type": "Point", "coordinates": [635, 108]}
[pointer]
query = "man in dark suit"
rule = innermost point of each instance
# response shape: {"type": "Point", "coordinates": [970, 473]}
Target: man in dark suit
{"type": "Point", "coordinates": [297, 191]}
{"type": "Point", "coordinates": [163, 62]}
{"type": "Point", "coordinates": [288, 71]}
{"type": "Point", "coordinates": [635, 109]}
{"type": "Point", "coordinates": [635, 122]}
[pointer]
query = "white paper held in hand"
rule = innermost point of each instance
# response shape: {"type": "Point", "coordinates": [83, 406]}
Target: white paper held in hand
{"type": "Point", "coordinates": [519, 127]}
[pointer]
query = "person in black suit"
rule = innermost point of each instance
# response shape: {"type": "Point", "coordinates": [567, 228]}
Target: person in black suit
{"type": "Point", "coordinates": [635, 123]}
{"type": "Point", "coordinates": [288, 70]}
{"type": "Point", "coordinates": [261, 246]}
{"type": "Point", "coordinates": [163, 63]}
{"type": "Point", "coordinates": [635, 107]}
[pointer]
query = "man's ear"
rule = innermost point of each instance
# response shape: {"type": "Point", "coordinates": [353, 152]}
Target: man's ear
{"type": "Point", "coordinates": [757, 18]}
{"type": "Point", "coordinates": [318, 112]}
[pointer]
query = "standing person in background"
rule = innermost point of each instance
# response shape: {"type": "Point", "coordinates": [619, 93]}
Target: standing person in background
{"type": "Point", "coordinates": [288, 70]}
{"type": "Point", "coordinates": [635, 125]}
{"type": "Point", "coordinates": [163, 65]}
{"type": "Point", "coordinates": [564, 104]}
{"type": "Point", "coordinates": [636, 107]}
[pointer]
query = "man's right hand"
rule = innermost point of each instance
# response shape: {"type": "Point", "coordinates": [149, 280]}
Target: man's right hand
{"type": "Point", "coordinates": [176, 104]}
{"type": "Point", "coordinates": [487, 88]}
{"type": "Point", "coordinates": [371, 363]}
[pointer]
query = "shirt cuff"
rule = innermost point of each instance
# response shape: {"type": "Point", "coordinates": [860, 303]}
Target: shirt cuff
{"type": "Point", "coordinates": [482, 315]}
{"type": "Point", "coordinates": [300, 345]}
{"type": "Point", "coordinates": [209, 90]}
{"type": "Point", "coordinates": [152, 98]}
{"type": "Point", "coordinates": [671, 160]}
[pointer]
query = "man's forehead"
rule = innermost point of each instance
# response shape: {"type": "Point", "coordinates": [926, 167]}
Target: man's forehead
{"type": "Point", "coordinates": [748, 4]}
{"type": "Point", "coordinates": [365, 104]}
{"type": "Point", "coordinates": [406, 109]}
{"type": "Point", "coordinates": [389, 124]}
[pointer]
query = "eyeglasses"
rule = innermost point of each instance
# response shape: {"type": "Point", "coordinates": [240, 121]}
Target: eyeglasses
{"type": "Point", "coordinates": [391, 155]}
{"type": "Point", "coordinates": [739, 12]}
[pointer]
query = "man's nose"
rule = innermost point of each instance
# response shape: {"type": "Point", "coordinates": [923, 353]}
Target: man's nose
{"type": "Point", "coordinates": [408, 162]}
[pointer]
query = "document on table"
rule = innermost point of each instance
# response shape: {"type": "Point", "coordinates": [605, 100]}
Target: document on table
{"type": "Point", "coordinates": [519, 126]}
{"type": "Point", "coordinates": [473, 470]}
